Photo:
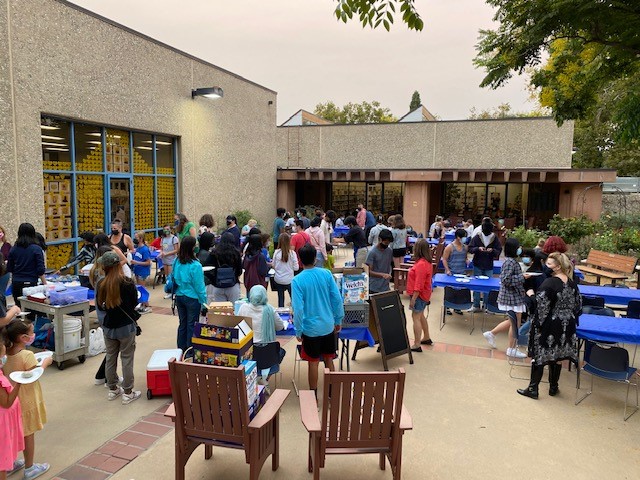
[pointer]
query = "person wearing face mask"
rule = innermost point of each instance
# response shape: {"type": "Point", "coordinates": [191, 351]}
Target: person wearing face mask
{"type": "Point", "coordinates": [17, 336]}
{"type": "Point", "coordinates": [120, 239]}
{"type": "Point", "coordinates": [169, 250]}
{"type": "Point", "coordinates": [380, 263]}
{"type": "Point", "coordinates": [141, 267]}
{"type": "Point", "coordinates": [511, 297]}
{"type": "Point", "coordinates": [233, 229]}
{"type": "Point", "coordinates": [485, 248]}
{"type": "Point", "coordinates": [454, 257]}
{"type": "Point", "coordinates": [556, 307]}
{"type": "Point", "coordinates": [298, 240]}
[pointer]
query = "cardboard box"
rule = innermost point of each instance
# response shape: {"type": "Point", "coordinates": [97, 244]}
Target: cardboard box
{"type": "Point", "coordinates": [225, 308]}
{"type": "Point", "coordinates": [355, 288]}
{"type": "Point", "coordinates": [225, 340]}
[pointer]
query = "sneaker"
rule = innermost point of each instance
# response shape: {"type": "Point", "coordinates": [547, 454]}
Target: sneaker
{"type": "Point", "coordinates": [17, 465]}
{"type": "Point", "coordinates": [139, 307]}
{"type": "Point", "coordinates": [113, 394]}
{"type": "Point", "coordinates": [120, 380]}
{"type": "Point", "coordinates": [490, 338]}
{"type": "Point", "coordinates": [144, 310]}
{"type": "Point", "coordinates": [35, 470]}
{"type": "Point", "coordinates": [168, 295]}
{"type": "Point", "coordinates": [477, 310]}
{"type": "Point", "coordinates": [127, 398]}
{"type": "Point", "coordinates": [514, 352]}
{"type": "Point", "coordinates": [101, 381]}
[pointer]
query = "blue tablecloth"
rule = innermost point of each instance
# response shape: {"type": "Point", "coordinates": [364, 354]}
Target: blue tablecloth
{"type": "Point", "coordinates": [360, 334]}
{"type": "Point", "coordinates": [609, 329]}
{"type": "Point", "coordinates": [340, 231]}
{"type": "Point", "coordinates": [612, 295]}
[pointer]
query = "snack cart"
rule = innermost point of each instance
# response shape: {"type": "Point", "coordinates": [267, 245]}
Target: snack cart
{"type": "Point", "coordinates": [56, 314]}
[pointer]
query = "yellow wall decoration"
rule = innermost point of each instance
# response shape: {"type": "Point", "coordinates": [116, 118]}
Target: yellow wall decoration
{"type": "Point", "coordinates": [90, 195]}
{"type": "Point", "coordinates": [166, 200]}
{"type": "Point", "coordinates": [143, 202]}
{"type": "Point", "coordinates": [58, 255]}
{"type": "Point", "coordinates": [57, 206]}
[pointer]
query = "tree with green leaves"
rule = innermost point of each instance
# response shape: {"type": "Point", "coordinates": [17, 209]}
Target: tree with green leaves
{"type": "Point", "coordinates": [372, 13]}
{"type": "Point", "coordinates": [351, 113]}
{"type": "Point", "coordinates": [596, 43]}
{"type": "Point", "coordinates": [415, 101]}
{"type": "Point", "coordinates": [504, 111]}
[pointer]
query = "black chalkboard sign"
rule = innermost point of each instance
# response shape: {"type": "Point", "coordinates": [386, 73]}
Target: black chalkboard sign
{"type": "Point", "coordinates": [391, 323]}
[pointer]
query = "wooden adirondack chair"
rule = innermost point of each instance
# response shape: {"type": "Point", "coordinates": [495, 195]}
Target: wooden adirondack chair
{"type": "Point", "coordinates": [210, 406]}
{"type": "Point", "coordinates": [364, 414]}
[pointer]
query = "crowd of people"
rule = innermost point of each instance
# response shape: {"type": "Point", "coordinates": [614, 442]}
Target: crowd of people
{"type": "Point", "coordinates": [295, 257]}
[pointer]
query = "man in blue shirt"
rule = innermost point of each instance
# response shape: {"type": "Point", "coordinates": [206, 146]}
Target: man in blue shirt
{"type": "Point", "coordinates": [369, 223]}
{"type": "Point", "coordinates": [318, 311]}
{"type": "Point", "coordinates": [278, 226]}
{"type": "Point", "coordinates": [141, 266]}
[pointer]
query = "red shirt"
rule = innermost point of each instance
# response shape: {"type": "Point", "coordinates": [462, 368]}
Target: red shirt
{"type": "Point", "coordinates": [298, 241]}
{"type": "Point", "coordinates": [420, 279]}
{"type": "Point", "coordinates": [157, 243]}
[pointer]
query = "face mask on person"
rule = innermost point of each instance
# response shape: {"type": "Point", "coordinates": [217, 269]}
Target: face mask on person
{"type": "Point", "coordinates": [176, 222]}
{"type": "Point", "coordinates": [166, 233]}
{"type": "Point", "coordinates": [136, 242]}
{"type": "Point", "coordinates": [115, 231]}
{"type": "Point", "coordinates": [1, 235]}
{"type": "Point", "coordinates": [31, 339]}
{"type": "Point", "coordinates": [229, 223]}
{"type": "Point", "coordinates": [519, 251]}
{"type": "Point", "coordinates": [384, 245]}
{"type": "Point", "coordinates": [3, 361]}
{"type": "Point", "coordinates": [526, 260]}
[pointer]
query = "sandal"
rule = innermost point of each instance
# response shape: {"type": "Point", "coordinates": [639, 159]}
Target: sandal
{"type": "Point", "coordinates": [416, 349]}
{"type": "Point", "coordinates": [427, 342]}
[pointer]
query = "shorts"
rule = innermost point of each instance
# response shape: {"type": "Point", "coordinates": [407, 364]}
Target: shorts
{"type": "Point", "coordinates": [315, 347]}
{"type": "Point", "coordinates": [420, 305]}
{"type": "Point", "coordinates": [399, 252]}
{"type": "Point", "coordinates": [140, 278]}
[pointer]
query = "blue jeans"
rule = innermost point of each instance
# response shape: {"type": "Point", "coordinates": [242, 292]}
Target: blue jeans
{"type": "Point", "coordinates": [476, 295]}
{"type": "Point", "coordinates": [188, 314]}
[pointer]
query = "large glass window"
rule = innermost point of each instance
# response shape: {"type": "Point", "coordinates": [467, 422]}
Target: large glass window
{"type": "Point", "coordinates": [393, 197]}
{"type": "Point", "coordinates": [93, 174]}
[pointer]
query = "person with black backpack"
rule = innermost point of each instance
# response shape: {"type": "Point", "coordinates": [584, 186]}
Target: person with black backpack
{"type": "Point", "coordinates": [224, 278]}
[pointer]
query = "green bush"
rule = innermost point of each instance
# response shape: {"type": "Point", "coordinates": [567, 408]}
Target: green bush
{"type": "Point", "coordinates": [528, 238]}
{"type": "Point", "coordinates": [571, 229]}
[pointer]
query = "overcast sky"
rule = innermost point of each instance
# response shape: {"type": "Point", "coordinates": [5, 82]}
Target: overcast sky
{"type": "Point", "coordinates": [300, 50]}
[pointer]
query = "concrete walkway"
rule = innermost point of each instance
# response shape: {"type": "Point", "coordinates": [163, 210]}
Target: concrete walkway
{"type": "Point", "coordinates": [468, 420]}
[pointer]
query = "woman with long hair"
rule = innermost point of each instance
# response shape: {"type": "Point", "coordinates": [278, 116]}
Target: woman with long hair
{"type": "Point", "coordinates": [254, 264]}
{"type": "Point", "coordinates": [191, 293]}
{"type": "Point", "coordinates": [556, 307]}
{"type": "Point", "coordinates": [117, 296]}
{"type": "Point", "coordinates": [26, 261]}
{"type": "Point", "coordinates": [184, 227]}
{"type": "Point", "coordinates": [225, 278]}
{"type": "Point", "coordinates": [399, 244]}
{"type": "Point", "coordinates": [419, 288]}
{"type": "Point", "coordinates": [285, 263]}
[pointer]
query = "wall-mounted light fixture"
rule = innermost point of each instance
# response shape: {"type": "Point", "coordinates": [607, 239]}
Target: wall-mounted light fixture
{"type": "Point", "coordinates": [211, 92]}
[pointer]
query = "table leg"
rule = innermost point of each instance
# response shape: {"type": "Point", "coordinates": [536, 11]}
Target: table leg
{"type": "Point", "coordinates": [344, 354]}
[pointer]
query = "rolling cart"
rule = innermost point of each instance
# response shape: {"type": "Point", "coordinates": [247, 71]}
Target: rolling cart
{"type": "Point", "coordinates": [56, 313]}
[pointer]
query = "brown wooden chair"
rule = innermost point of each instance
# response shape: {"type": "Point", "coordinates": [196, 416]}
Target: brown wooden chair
{"type": "Point", "coordinates": [437, 255]}
{"type": "Point", "coordinates": [210, 406]}
{"type": "Point", "coordinates": [364, 414]}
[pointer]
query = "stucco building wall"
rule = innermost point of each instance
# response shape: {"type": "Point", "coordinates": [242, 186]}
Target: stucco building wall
{"type": "Point", "coordinates": [495, 144]}
{"type": "Point", "coordinates": [69, 63]}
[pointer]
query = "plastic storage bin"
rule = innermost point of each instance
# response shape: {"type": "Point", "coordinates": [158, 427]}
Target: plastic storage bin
{"type": "Point", "coordinates": [68, 296]}
{"type": "Point", "coordinates": [356, 315]}
{"type": "Point", "coordinates": [158, 372]}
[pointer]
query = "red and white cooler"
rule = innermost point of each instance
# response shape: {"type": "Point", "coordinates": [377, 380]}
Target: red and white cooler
{"type": "Point", "coordinates": [158, 372]}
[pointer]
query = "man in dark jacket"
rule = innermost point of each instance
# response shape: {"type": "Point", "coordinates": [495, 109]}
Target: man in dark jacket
{"type": "Point", "coordinates": [485, 248]}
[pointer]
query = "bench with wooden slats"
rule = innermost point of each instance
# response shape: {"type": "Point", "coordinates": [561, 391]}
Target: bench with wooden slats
{"type": "Point", "coordinates": [609, 265]}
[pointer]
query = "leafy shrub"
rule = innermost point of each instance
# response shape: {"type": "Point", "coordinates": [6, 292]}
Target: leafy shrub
{"type": "Point", "coordinates": [617, 222]}
{"type": "Point", "coordinates": [571, 229]}
{"type": "Point", "coordinates": [528, 238]}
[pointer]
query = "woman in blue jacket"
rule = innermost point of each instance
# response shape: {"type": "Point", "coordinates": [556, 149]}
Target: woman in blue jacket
{"type": "Point", "coordinates": [191, 294]}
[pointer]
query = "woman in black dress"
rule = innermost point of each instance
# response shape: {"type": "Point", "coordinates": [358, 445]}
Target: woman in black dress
{"type": "Point", "coordinates": [553, 338]}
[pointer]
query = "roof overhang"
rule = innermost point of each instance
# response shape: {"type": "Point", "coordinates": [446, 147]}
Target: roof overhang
{"type": "Point", "coordinates": [521, 175]}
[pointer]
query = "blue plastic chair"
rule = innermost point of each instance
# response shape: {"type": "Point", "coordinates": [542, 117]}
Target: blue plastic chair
{"type": "Point", "coordinates": [457, 299]}
{"type": "Point", "coordinates": [610, 363]}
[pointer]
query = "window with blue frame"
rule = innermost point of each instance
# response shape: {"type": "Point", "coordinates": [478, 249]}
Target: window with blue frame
{"type": "Point", "coordinates": [93, 174]}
